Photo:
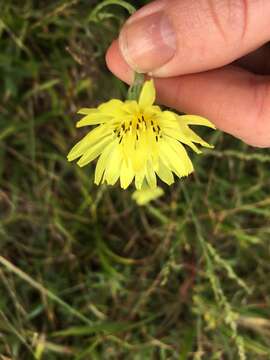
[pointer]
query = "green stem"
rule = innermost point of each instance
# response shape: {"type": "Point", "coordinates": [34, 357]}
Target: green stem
{"type": "Point", "coordinates": [136, 87]}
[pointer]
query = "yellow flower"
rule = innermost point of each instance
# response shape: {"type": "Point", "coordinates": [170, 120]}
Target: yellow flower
{"type": "Point", "coordinates": [137, 140]}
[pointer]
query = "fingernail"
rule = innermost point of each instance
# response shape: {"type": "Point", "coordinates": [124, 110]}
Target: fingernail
{"type": "Point", "coordinates": [148, 43]}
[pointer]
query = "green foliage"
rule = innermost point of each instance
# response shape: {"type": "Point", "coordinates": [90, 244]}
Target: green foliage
{"type": "Point", "coordinates": [84, 272]}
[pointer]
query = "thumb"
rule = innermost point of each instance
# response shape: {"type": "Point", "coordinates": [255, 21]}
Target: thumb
{"type": "Point", "coordinates": [169, 38]}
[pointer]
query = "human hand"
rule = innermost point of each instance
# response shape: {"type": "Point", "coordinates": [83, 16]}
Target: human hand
{"type": "Point", "coordinates": [208, 57]}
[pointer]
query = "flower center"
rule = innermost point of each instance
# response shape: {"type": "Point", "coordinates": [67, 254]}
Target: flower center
{"type": "Point", "coordinates": [137, 126]}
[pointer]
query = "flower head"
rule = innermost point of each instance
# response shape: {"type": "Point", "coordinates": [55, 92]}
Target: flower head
{"type": "Point", "coordinates": [137, 140]}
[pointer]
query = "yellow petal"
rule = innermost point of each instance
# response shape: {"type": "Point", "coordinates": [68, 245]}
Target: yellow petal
{"type": "Point", "coordinates": [140, 155]}
{"type": "Point", "coordinates": [88, 141]}
{"type": "Point", "coordinates": [152, 111]}
{"type": "Point", "coordinates": [128, 145]}
{"type": "Point", "coordinates": [131, 107]}
{"type": "Point", "coordinates": [181, 136]}
{"type": "Point", "coordinates": [87, 111]}
{"type": "Point", "coordinates": [93, 119]}
{"type": "Point", "coordinates": [177, 127]}
{"type": "Point", "coordinates": [165, 174]}
{"type": "Point", "coordinates": [102, 162]}
{"type": "Point", "coordinates": [114, 162]}
{"type": "Point", "coordinates": [192, 136]}
{"type": "Point", "coordinates": [94, 151]}
{"type": "Point", "coordinates": [151, 176]}
{"type": "Point", "coordinates": [196, 120]}
{"type": "Point", "coordinates": [148, 95]}
{"type": "Point", "coordinates": [145, 195]}
{"type": "Point", "coordinates": [175, 157]}
{"type": "Point", "coordinates": [186, 164]}
{"type": "Point", "coordinates": [139, 179]}
{"type": "Point", "coordinates": [168, 119]}
{"type": "Point", "coordinates": [113, 107]}
{"type": "Point", "coordinates": [126, 175]}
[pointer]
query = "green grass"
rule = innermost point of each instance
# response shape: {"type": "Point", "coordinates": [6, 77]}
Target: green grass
{"type": "Point", "coordinates": [84, 272]}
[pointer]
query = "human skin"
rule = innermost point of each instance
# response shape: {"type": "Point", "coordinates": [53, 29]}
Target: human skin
{"type": "Point", "coordinates": [208, 57]}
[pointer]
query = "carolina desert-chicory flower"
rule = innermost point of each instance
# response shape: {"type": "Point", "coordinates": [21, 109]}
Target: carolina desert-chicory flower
{"type": "Point", "coordinates": [137, 140]}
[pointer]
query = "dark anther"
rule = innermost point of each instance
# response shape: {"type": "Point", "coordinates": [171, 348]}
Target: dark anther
{"type": "Point", "coordinates": [120, 139]}
{"type": "Point", "coordinates": [152, 123]}
{"type": "Point", "coordinates": [156, 138]}
{"type": "Point", "coordinates": [158, 127]}
{"type": "Point", "coordinates": [137, 137]}
{"type": "Point", "coordinates": [137, 127]}
{"type": "Point", "coordinates": [123, 126]}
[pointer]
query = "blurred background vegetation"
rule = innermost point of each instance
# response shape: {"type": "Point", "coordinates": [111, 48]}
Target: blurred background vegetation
{"type": "Point", "coordinates": [85, 273]}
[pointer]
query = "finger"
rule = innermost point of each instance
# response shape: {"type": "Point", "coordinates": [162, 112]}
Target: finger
{"type": "Point", "coordinates": [169, 38]}
{"type": "Point", "coordinates": [235, 100]}
{"type": "Point", "coordinates": [117, 64]}
{"type": "Point", "coordinates": [257, 61]}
